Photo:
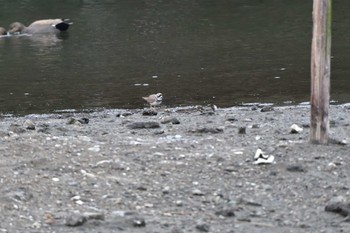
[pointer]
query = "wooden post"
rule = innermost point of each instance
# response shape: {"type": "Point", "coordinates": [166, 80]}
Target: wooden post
{"type": "Point", "coordinates": [320, 71]}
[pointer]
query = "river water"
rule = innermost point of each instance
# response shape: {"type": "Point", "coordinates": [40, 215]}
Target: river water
{"type": "Point", "coordinates": [224, 52]}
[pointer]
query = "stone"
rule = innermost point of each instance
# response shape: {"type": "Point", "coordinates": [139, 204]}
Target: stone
{"type": "Point", "coordinates": [203, 227]}
{"type": "Point", "coordinates": [28, 124]}
{"type": "Point", "coordinates": [207, 130]}
{"type": "Point", "coordinates": [75, 219]}
{"type": "Point", "coordinates": [169, 119]}
{"type": "Point", "coordinates": [94, 215]}
{"type": "Point", "coordinates": [225, 211]}
{"type": "Point", "coordinates": [339, 205]}
{"type": "Point", "coordinates": [266, 109]}
{"type": "Point", "coordinates": [143, 125]}
{"type": "Point", "coordinates": [231, 119]}
{"type": "Point", "coordinates": [149, 112]}
{"type": "Point", "coordinates": [138, 222]}
{"type": "Point", "coordinates": [197, 192]}
{"type": "Point", "coordinates": [84, 121]}
{"type": "Point", "coordinates": [242, 130]}
{"type": "Point", "coordinates": [296, 168]}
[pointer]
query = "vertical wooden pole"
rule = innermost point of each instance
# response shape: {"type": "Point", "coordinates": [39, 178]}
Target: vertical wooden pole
{"type": "Point", "coordinates": [320, 71]}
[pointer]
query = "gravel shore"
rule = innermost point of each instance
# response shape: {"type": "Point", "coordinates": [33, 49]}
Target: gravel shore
{"type": "Point", "coordinates": [174, 170]}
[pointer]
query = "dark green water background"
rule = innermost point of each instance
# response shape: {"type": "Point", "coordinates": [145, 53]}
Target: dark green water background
{"type": "Point", "coordinates": [224, 52]}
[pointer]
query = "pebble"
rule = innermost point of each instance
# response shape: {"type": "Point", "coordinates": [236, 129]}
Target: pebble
{"type": "Point", "coordinates": [231, 119]}
{"type": "Point", "coordinates": [143, 125]}
{"type": "Point", "coordinates": [296, 168]}
{"type": "Point", "coordinates": [166, 190]}
{"type": "Point", "coordinates": [207, 130]}
{"type": "Point", "coordinates": [84, 121]}
{"type": "Point", "coordinates": [267, 109]}
{"type": "Point", "coordinates": [94, 215]}
{"type": "Point", "coordinates": [28, 124]}
{"type": "Point", "coordinates": [203, 227]}
{"type": "Point", "coordinates": [75, 219]}
{"type": "Point", "coordinates": [225, 211]}
{"type": "Point", "coordinates": [197, 192]}
{"type": "Point", "coordinates": [179, 203]}
{"type": "Point", "coordinates": [149, 112]}
{"type": "Point", "coordinates": [242, 130]}
{"type": "Point", "coordinates": [138, 222]}
{"type": "Point", "coordinates": [169, 119]}
{"type": "Point", "coordinates": [339, 205]}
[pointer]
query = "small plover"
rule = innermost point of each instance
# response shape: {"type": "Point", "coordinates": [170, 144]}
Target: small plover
{"type": "Point", "coordinates": [154, 99]}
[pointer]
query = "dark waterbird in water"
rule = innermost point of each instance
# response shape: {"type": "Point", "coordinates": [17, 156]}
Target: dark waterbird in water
{"type": "Point", "coordinates": [41, 26]}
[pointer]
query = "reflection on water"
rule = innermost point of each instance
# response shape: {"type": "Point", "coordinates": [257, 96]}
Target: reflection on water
{"type": "Point", "coordinates": [194, 52]}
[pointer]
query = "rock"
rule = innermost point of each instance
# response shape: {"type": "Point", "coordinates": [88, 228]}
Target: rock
{"type": "Point", "coordinates": [143, 125]}
{"type": "Point", "coordinates": [138, 222]}
{"type": "Point", "coordinates": [28, 124]}
{"type": "Point", "coordinates": [254, 108]}
{"type": "Point", "coordinates": [203, 227]}
{"type": "Point", "coordinates": [227, 211]}
{"type": "Point", "coordinates": [231, 119]}
{"type": "Point", "coordinates": [94, 215]}
{"type": "Point", "coordinates": [149, 112]}
{"type": "Point", "coordinates": [337, 142]}
{"type": "Point", "coordinates": [179, 203]}
{"type": "Point", "coordinates": [75, 219]}
{"type": "Point", "coordinates": [84, 121]}
{"type": "Point", "coordinates": [71, 121]}
{"type": "Point", "coordinates": [207, 130]}
{"type": "Point", "coordinates": [169, 119]}
{"type": "Point", "coordinates": [242, 130]}
{"type": "Point", "coordinates": [249, 202]}
{"type": "Point", "coordinates": [197, 192]}
{"type": "Point", "coordinates": [339, 205]}
{"type": "Point", "coordinates": [166, 190]}
{"type": "Point", "coordinates": [296, 168]}
{"type": "Point", "coordinates": [266, 109]}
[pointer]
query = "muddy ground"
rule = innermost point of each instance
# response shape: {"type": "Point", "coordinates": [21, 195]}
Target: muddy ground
{"type": "Point", "coordinates": [182, 170]}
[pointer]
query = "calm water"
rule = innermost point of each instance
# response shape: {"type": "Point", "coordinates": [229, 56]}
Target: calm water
{"type": "Point", "coordinates": [224, 52]}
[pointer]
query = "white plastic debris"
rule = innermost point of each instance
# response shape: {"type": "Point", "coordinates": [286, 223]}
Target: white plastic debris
{"type": "Point", "coordinates": [261, 158]}
{"type": "Point", "coordinates": [295, 129]}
